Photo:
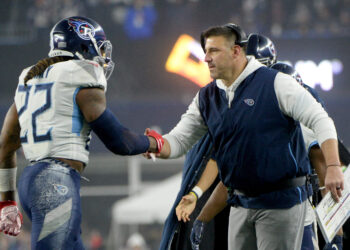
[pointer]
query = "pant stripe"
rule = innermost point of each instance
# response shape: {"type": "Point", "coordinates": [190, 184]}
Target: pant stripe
{"type": "Point", "coordinates": [56, 218]}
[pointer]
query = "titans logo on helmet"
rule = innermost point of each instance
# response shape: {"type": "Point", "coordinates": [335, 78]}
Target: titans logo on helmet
{"type": "Point", "coordinates": [82, 28]}
{"type": "Point", "coordinates": [272, 49]}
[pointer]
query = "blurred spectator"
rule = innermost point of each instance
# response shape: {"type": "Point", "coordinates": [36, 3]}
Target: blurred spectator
{"type": "Point", "coordinates": [67, 8]}
{"type": "Point", "coordinates": [140, 19]}
{"type": "Point", "coordinates": [40, 13]}
{"type": "Point", "coordinates": [302, 18]}
{"type": "Point", "coordinates": [293, 18]}
{"type": "Point", "coordinates": [276, 18]}
{"type": "Point", "coordinates": [45, 13]}
{"type": "Point", "coordinates": [96, 241]}
{"type": "Point", "coordinates": [119, 13]}
{"type": "Point", "coordinates": [136, 242]}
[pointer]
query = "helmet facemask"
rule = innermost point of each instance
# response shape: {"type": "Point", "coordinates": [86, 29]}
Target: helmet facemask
{"type": "Point", "coordinates": [104, 55]}
{"type": "Point", "coordinates": [105, 49]}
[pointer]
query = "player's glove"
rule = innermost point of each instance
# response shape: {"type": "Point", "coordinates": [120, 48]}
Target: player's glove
{"type": "Point", "coordinates": [197, 234]}
{"type": "Point", "coordinates": [336, 243]}
{"type": "Point", "coordinates": [159, 139]}
{"type": "Point", "coordinates": [10, 218]}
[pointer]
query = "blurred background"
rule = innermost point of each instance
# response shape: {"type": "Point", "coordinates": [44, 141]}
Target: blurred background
{"type": "Point", "coordinates": [158, 72]}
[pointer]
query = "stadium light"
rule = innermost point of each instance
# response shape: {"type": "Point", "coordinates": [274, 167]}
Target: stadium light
{"type": "Point", "coordinates": [321, 74]}
{"type": "Point", "coordinates": [187, 60]}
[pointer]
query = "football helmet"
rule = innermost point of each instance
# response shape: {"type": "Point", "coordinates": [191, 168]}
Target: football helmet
{"type": "Point", "coordinates": [82, 38]}
{"type": "Point", "coordinates": [262, 48]}
{"type": "Point", "coordinates": [287, 69]}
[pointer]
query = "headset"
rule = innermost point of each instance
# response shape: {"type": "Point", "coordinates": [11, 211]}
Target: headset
{"type": "Point", "coordinates": [241, 37]}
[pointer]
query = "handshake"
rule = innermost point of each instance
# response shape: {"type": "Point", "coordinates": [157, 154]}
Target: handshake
{"type": "Point", "coordinates": [10, 218]}
{"type": "Point", "coordinates": [157, 148]}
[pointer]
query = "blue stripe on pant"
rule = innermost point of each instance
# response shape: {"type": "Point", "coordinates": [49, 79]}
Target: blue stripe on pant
{"type": "Point", "coordinates": [49, 194]}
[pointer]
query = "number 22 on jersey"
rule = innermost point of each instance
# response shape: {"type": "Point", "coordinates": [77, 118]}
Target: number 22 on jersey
{"type": "Point", "coordinates": [35, 109]}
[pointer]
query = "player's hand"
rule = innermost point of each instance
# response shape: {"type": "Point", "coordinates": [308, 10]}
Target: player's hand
{"type": "Point", "coordinates": [186, 207]}
{"type": "Point", "coordinates": [159, 139]}
{"type": "Point", "coordinates": [150, 155]}
{"type": "Point", "coordinates": [10, 218]}
{"type": "Point", "coordinates": [334, 181]}
{"type": "Point", "coordinates": [197, 234]}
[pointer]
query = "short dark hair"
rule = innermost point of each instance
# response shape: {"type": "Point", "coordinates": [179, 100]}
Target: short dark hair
{"type": "Point", "coordinates": [230, 31]}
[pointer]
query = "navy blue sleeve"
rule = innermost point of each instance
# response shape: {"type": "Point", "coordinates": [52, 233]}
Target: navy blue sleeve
{"type": "Point", "coordinates": [116, 137]}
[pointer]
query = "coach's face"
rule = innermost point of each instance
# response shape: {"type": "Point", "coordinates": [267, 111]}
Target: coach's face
{"type": "Point", "coordinates": [219, 54]}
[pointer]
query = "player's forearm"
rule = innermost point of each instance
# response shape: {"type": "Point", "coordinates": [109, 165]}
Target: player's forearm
{"type": "Point", "coordinates": [9, 143]}
{"type": "Point", "coordinates": [215, 204]}
{"type": "Point", "coordinates": [116, 137]}
{"type": "Point", "coordinates": [8, 160]}
{"type": "Point", "coordinates": [8, 196]}
{"type": "Point", "coordinates": [8, 173]}
{"type": "Point", "coordinates": [9, 139]}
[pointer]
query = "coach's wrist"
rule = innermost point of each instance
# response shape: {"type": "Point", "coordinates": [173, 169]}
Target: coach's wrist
{"type": "Point", "coordinates": [334, 165]}
{"type": "Point", "coordinates": [197, 192]}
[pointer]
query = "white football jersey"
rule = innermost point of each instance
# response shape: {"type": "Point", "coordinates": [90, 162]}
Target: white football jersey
{"type": "Point", "coordinates": [52, 124]}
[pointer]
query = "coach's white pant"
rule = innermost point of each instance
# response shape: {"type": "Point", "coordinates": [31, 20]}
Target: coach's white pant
{"type": "Point", "coordinates": [266, 229]}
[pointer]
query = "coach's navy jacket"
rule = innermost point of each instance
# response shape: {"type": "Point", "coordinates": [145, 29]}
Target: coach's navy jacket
{"type": "Point", "coordinates": [254, 142]}
{"type": "Point", "coordinates": [194, 165]}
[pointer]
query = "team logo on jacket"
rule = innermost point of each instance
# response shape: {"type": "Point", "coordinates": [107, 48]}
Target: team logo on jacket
{"type": "Point", "coordinates": [61, 189]}
{"type": "Point", "coordinates": [82, 28]}
{"type": "Point", "coordinates": [249, 102]}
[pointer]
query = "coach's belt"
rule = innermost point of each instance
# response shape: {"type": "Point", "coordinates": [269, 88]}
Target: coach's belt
{"type": "Point", "coordinates": [278, 186]}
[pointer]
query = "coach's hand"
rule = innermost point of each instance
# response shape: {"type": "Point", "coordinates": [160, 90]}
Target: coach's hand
{"type": "Point", "coordinates": [197, 234]}
{"type": "Point", "coordinates": [185, 207]}
{"type": "Point", "coordinates": [334, 181]}
{"type": "Point", "coordinates": [159, 139]}
{"type": "Point", "coordinates": [10, 218]}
